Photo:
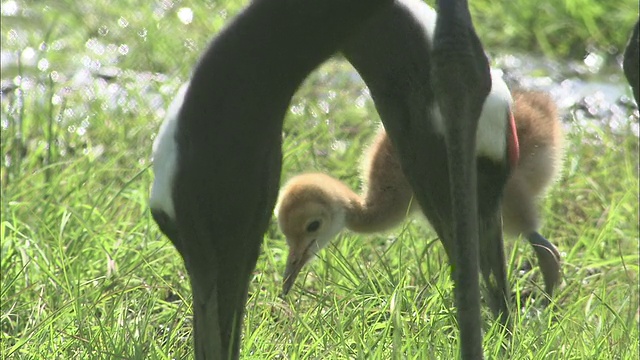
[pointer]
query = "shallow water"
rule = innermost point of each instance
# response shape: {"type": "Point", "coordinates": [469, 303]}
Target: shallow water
{"type": "Point", "coordinates": [569, 83]}
{"type": "Point", "coordinates": [588, 90]}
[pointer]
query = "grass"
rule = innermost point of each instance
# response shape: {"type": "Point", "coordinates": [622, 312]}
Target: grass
{"type": "Point", "coordinates": [85, 272]}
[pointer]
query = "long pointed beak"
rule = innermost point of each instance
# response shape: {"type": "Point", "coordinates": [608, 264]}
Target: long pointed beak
{"type": "Point", "coordinates": [295, 262]}
{"type": "Point", "coordinates": [548, 261]}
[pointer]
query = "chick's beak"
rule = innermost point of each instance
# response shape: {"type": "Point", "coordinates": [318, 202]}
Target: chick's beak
{"type": "Point", "coordinates": [295, 262]}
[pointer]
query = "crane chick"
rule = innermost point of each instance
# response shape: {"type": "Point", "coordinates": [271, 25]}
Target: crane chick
{"type": "Point", "coordinates": [314, 207]}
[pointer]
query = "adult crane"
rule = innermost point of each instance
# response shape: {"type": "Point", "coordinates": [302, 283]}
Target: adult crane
{"type": "Point", "coordinates": [217, 158]}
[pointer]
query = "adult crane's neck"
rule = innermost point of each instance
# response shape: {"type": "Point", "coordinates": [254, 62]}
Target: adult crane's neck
{"type": "Point", "coordinates": [392, 55]}
{"type": "Point", "coordinates": [252, 69]}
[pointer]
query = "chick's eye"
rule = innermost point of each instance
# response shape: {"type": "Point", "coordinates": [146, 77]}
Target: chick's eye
{"type": "Point", "coordinates": [313, 226]}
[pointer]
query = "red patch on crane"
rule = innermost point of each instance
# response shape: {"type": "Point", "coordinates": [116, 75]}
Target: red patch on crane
{"type": "Point", "coordinates": [513, 147]}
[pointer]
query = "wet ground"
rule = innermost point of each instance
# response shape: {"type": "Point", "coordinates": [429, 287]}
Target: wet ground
{"type": "Point", "coordinates": [587, 92]}
{"type": "Point", "coordinates": [590, 90]}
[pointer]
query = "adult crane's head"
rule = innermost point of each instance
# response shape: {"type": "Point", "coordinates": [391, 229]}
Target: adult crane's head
{"type": "Point", "coordinates": [218, 158]}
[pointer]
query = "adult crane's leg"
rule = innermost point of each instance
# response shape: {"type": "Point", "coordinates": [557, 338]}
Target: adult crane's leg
{"type": "Point", "coordinates": [462, 82]}
{"type": "Point", "coordinates": [631, 61]}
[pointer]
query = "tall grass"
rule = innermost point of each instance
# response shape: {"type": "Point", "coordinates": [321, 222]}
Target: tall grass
{"type": "Point", "coordinates": [85, 273]}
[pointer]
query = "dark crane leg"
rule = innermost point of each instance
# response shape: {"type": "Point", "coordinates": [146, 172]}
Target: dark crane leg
{"type": "Point", "coordinates": [408, 77]}
{"type": "Point", "coordinates": [462, 81]}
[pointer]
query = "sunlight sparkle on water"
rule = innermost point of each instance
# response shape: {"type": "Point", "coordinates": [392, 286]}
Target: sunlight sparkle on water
{"type": "Point", "coordinates": [28, 55]}
{"type": "Point", "coordinates": [122, 22]}
{"type": "Point", "coordinates": [594, 62]}
{"type": "Point", "coordinates": [9, 8]}
{"type": "Point", "coordinates": [43, 64]}
{"type": "Point", "coordinates": [185, 15]}
{"type": "Point", "coordinates": [123, 49]}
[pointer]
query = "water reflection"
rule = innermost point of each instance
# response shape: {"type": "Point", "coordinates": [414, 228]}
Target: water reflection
{"type": "Point", "coordinates": [586, 92]}
{"type": "Point", "coordinates": [9, 8]}
{"type": "Point", "coordinates": [100, 86]}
